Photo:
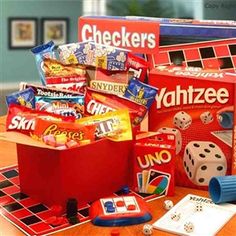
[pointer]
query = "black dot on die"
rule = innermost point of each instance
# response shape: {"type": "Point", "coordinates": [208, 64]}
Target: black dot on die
{"type": "Point", "coordinates": [202, 155]}
{"type": "Point", "coordinates": [174, 130]}
{"type": "Point", "coordinates": [187, 151]}
{"type": "Point", "coordinates": [207, 150]}
{"type": "Point", "coordinates": [201, 180]}
{"type": "Point", "coordinates": [196, 145]}
{"type": "Point", "coordinates": [178, 142]}
{"type": "Point", "coordinates": [185, 164]}
{"type": "Point", "coordinates": [217, 155]}
{"type": "Point", "coordinates": [182, 112]}
{"type": "Point", "coordinates": [189, 156]}
{"type": "Point", "coordinates": [187, 169]}
{"type": "Point", "coordinates": [190, 174]}
{"type": "Point", "coordinates": [220, 168]}
{"type": "Point", "coordinates": [203, 167]}
{"type": "Point", "coordinates": [212, 145]}
{"type": "Point", "coordinates": [192, 162]}
{"type": "Point", "coordinates": [164, 128]}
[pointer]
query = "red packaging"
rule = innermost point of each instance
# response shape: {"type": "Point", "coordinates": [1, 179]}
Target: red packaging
{"type": "Point", "coordinates": [195, 102]}
{"type": "Point", "coordinates": [98, 103]}
{"type": "Point", "coordinates": [22, 119]}
{"type": "Point", "coordinates": [154, 164]}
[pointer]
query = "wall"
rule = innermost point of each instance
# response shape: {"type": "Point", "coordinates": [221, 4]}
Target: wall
{"type": "Point", "coordinates": [19, 65]}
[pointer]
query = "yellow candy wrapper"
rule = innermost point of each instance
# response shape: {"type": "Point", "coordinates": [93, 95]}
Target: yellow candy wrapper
{"type": "Point", "coordinates": [115, 125]}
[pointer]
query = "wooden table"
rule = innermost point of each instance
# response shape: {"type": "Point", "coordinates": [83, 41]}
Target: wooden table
{"type": "Point", "coordinates": [8, 157]}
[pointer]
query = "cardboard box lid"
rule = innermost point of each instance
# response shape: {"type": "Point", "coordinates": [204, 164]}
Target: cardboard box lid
{"type": "Point", "coordinates": [19, 138]}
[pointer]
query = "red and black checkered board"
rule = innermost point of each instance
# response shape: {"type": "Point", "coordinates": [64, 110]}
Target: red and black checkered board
{"type": "Point", "coordinates": [218, 54]}
{"type": "Point", "coordinates": [29, 215]}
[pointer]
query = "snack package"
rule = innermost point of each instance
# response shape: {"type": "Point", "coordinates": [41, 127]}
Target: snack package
{"type": "Point", "coordinates": [70, 77]}
{"type": "Point", "coordinates": [114, 82]}
{"type": "Point", "coordinates": [138, 66]}
{"type": "Point", "coordinates": [40, 52]}
{"type": "Point", "coordinates": [24, 98]}
{"type": "Point", "coordinates": [73, 131]}
{"type": "Point", "coordinates": [93, 54]}
{"type": "Point", "coordinates": [114, 125]}
{"type": "Point", "coordinates": [141, 93]}
{"type": "Point", "coordinates": [73, 106]}
{"type": "Point", "coordinates": [22, 119]}
{"type": "Point", "coordinates": [40, 90]}
{"type": "Point", "coordinates": [98, 103]}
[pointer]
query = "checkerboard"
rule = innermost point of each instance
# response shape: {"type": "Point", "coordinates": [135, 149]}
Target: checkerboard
{"type": "Point", "coordinates": [29, 215]}
{"type": "Point", "coordinates": [217, 54]}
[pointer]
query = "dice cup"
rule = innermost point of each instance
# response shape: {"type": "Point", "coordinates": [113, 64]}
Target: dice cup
{"type": "Point", "coordinates": [223, 188]}
{"type": "Point", "coordinates": [226, 120]}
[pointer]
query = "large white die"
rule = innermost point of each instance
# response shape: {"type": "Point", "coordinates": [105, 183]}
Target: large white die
{"type": "Point", "coordinates": [203, 160]}
{"type": "Point", "coordinates": [206, 117]}
{"type": "Point", "coordinates": [182, 120]}
{"type": "Point", "coordinates": [178, 136]}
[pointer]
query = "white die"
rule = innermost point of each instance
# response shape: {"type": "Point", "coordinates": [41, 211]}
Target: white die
{"type": "Point", "coordinates": [147, 229]}
{"type": "Point", "coordinates": [178, 136]}
{"type": "Point", "coordinates": [182, 120]}
{"type": "Point", "coordinates": [203, 160]}
{"type": "Point", "coordinates": [189, 227]}
{"type": "Point", "coordinates": [175, 216]}
{"type": "Point", "coordinates": [206, 117]}
{"type": "Point", "coordinates": [168, 204]}
{"type": "Point", "coordinates": [198, 206]}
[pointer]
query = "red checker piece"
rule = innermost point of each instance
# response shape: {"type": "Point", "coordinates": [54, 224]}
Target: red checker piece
{"type": "Point", "coordinates": [120, 203]}
{"type": "Point", "coordinates": [115, 232]}
{"type": "Point", "coordinates": [131, 207]}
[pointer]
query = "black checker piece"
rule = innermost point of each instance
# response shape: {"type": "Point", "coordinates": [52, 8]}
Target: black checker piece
{"type": "Point", "coordinates": [207, 52]}
{"type": "Point", "coordinates": [38, 208]}
{"type": "Point", "coordinates": [13, 206]}
{"type": "Point", "coordinates": [225, 63]}
{"type": "Point", "coordinates": [195, 64]}
{"type": "Point", "coordinates": [232, 49]}
{"type": "Point", "coordinates": [30, 220]}
{"type": "Point", "coordinates": [177, 57]}
{"type": "Point", "coordinates": [10, 174]}
{"type": "Point", "coordinates": [5, 183]}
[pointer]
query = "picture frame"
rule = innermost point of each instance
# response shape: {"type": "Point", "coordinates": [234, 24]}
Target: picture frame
{"type": "Point", "coordinates": [23, 32]}
{"type": "Point", "coordinates": [55, 29]}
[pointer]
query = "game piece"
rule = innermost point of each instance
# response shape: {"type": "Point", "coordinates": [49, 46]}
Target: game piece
{"type": "Point", "coordinates": [147, 229]}
{"type": "Point", "coordinates": [178, 136]}
{"type": "Point", "coordinates": [189, 227]}
{"type": "Point", "coordinates": [182, 120]}
{"type": "Point", "coordinates": [134, 211]}
{"type": "Point", "coordinates": [56, 210]}
{"type": "Point", "coordinates": [71, 211]}
{"type": "Point", "coordinates": [199, 206]}
{"type": "Point", "coordinates": [175, 216]}
{"type": "Point", "coordinates": [115, 232]}
{"type": "Point", "coordinates": [168, 204]}
{"type": "Point", "coordinates": [226, 120]}
{"type": "Point", "coordinates": [223, 188]}
{"type": "Point", "coordinates": [125, 190]}
{"type": "Point", "coordinates": [206, 117]}
{"type": "Point", "coordinates": [202, 160]}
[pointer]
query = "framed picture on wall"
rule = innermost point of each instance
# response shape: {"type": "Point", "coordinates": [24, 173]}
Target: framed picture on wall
{"type": "Point", "coordinates": [22, 32]}
{"type": "Point", "coordinates": [55, 29]}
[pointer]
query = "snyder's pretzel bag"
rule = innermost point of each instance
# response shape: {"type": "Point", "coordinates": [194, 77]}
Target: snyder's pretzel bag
{"type": "Point", "coordinates": [114, 125]}
{"type": "Point", "coordinates": [98, 103]}
{"type": "Point", "coordinates": [70, 77]}
{"type": "Point", "coordinates": [93, 54]}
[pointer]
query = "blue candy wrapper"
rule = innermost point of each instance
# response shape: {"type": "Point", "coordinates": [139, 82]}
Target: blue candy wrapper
{"type": "Point", "coordinates": [25, 98]}
{"type": "Point", "coordinates": [41, 52]}
{"type": "Point", "coordinates": [141, 93]}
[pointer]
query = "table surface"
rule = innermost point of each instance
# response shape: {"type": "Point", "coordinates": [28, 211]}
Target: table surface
{"type": "Point", "coordinates": [8, 157]}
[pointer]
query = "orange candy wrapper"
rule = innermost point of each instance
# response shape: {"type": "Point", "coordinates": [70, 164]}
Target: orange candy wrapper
{"type": "Point", "coordinates": [115, 125]}
{"type": "Point", "coordinates": [73, 131]}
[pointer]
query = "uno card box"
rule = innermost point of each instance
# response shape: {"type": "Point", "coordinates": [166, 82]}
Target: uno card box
{"type": "Point", "coordinates": [86, 173]}
{"type": "Point", "coordinates": [154, 164]}
{"type": "Point", "coordinates": [199, 104]}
